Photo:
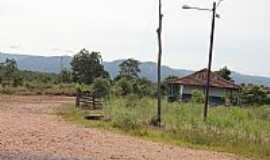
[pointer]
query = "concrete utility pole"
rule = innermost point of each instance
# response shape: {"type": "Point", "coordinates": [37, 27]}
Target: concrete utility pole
{"type": "Point", "coordinates": [210, 62]}
{"type": "Point", "coordinates": [208, 82]}
{"type": "Point", "coordinates": [159, 31]}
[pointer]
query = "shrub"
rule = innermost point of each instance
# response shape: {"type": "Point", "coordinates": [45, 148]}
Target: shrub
{"type": "Point", "coordinates": [101, 87]}
{"type": "Point", "coordinates": [197, 96]}
{"type": "Point", "coordinates": [123, 87]}
{"type": "Point", "coordinates": [7, 90]}
{"type": "Point", "coordinates": [254, 95]}
{"type": "Point", "coordinates": [82, 88]}
{"type": "Point", "coordinates": [18, 81]}
{"type": "Point", "coordinates": [143, 87]}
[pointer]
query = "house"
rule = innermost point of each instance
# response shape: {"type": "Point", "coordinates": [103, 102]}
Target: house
{"type": "Point", "coordinates": [182, 88]}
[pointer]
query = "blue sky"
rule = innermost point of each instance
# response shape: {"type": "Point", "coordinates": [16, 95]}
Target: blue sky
{"type": "Point", "coordinates": [126, 28]}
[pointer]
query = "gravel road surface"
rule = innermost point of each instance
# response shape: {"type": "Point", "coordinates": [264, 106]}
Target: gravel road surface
{"type": "Point", "coordinates": [28, 131]}
{"type": "Point", "coordinates": [29, 156]}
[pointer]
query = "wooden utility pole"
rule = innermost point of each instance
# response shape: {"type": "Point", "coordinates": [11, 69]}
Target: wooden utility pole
{"type": "Point", "coordinates": [210, 61]}
{"type": "Point", "coordinates": [159, 31]}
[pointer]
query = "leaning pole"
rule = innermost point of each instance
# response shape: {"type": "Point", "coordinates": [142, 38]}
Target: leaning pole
{"type": "Point", "coordinates": [159, 31]}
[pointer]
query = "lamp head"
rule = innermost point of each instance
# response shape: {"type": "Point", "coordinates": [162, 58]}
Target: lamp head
{"type": "Point", "coordinates": [186, 7]}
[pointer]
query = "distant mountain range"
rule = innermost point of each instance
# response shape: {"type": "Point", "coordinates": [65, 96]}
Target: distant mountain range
{"type": "Point", "coordinates": [56, 63]}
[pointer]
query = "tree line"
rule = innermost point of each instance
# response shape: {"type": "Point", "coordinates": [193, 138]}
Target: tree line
{"type": "Point", "coordinates": [88, 73]}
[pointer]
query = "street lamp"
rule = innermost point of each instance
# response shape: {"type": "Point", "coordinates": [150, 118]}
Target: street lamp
{"type": "Point", "coordinates": [197, 8]}
{"type": "Point", "coordinates": [215, 15]}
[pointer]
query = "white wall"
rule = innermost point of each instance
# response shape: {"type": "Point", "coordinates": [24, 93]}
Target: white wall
{"type": "Point", "coordinates": [217, 92]}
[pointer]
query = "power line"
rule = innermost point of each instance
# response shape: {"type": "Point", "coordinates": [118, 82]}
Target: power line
{"type": "Point", "coordinates": [219, 3]}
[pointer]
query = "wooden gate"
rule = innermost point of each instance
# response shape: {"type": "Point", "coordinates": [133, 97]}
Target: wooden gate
{"type": "Point", "coordinates": [87, 100]}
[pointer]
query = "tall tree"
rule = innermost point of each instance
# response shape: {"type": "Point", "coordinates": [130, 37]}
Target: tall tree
{"type": "Point", "coordinates": [225, 73]}
{"type": "Point", "coordinates": [130, 68]}
{"type": "Point", "coordinates": [87, 66]}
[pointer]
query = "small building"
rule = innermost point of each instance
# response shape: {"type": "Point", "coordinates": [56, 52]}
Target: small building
{"type": "Point", "coordinates": [181, 89]}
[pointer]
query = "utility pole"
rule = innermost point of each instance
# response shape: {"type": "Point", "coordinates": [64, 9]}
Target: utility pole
{"type": "Point", "coordinates": [210, 61]}
{"type": "Point", "coordinates": [159, 31]}
{"type": "Point", "coordinates": [208, 81]}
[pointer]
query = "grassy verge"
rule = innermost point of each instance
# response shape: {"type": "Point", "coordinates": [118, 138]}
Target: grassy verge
{"type": "Point", "coordinates": [40, 89]}
{"type": "Point", "coordinates": [236, 130]}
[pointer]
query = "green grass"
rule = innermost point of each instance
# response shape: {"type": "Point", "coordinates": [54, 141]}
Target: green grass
{"type": "Point", "coordinates": [244, 131]}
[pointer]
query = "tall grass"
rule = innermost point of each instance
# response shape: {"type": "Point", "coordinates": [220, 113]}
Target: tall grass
{"type": "Point", "coordinates": [244, 131]}
{"type": "Point", "coordinates": [40, 89]}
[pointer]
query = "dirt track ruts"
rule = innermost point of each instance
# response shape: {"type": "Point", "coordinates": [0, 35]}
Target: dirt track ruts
{"type": "Point", "coordinates": [29, 131]}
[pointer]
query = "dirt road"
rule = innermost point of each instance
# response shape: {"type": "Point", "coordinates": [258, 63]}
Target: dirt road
{"type": "Point", "coordinates": [29, 131]}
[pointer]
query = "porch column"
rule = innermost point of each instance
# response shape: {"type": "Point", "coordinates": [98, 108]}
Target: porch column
{"type": "Point", "coordinates": [181, 92]}
{"type": "Point", "coordinates": [239, 98]}
{"type": "Point", "coordinates": [170, 90]}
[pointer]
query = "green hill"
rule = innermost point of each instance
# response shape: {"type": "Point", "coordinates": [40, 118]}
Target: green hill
{"type": "Point", "coordinates": [55, 63]}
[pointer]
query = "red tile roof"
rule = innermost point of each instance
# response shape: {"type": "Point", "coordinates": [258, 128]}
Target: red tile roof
{"type": "Point", "coordinates": [200, 78]}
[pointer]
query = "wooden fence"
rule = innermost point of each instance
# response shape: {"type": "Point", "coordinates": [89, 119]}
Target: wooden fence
{"type": "Point", "coordinates": [88, 101]}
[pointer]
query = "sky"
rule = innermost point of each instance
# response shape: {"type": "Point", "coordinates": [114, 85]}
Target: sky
{"type": "Point", "coordinates": [127, 29]}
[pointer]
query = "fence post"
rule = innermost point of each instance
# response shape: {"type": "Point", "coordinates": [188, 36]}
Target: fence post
{"type": "Point", "coordinates": [94, 103]}
{"type": "Point", "coordinates": [78, 99]}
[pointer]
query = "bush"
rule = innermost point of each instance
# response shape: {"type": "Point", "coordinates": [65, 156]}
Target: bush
{"type": "Point", "coordinates": [18, 81]}
{"type": "Point", "coordinates": [123, 87]}
{"type": "Point", "coordinates": [7, 90]}
{"type": "Point", "coordinates": [143, 87]}
{"type": "Point", "coordinates": [82, 88]}
{"type": "Point", "coordinates": [254, 95]}
{"type": "Point", "coordinates": [197, 96]}
{"type": "Point", "coordinates": [101, 87]}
